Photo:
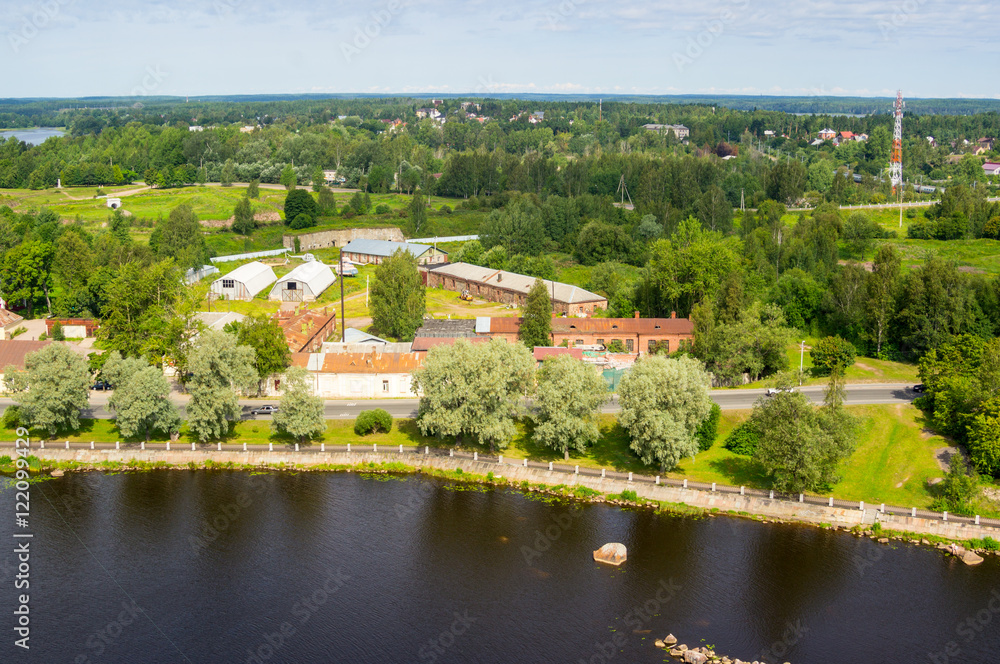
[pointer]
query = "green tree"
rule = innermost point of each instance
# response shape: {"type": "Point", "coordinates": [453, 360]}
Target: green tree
{"type": "Point", "coordinates": [179, 237]}
{"type": "Point", "coordinates": [564, 422]}
{"type": "Point", "coordinates": [228, 174]}
{"type": "Point", "coordinates": [417, 213]}
{"type": "Point", "coordinates": [536, 321]}
{"type": "Point", "coordinates": [301, 414]}
{"type": "Point", "coordinates": [663, 402]}
{"type": "Point", "coordinates": [253, 189]}
{"type": "Point", "coordinates": [878, 146]}
{"type": "Point", "coordinates": [860, 233]}
{"type": "Point", "coordinates": [473, 390]}
{"type": "Point", "coordinates": [26, 274]}
{"type": "Point", "coordinates": [881, 291]}
{"type": "Point", "coordinates": [959, 488]}
{"type": "Point", "coordinates": [800, 445]}
{"type": "Point", "coordinates": [984, 438]}
{"type": "Point", "coordinates": [299, 201]}
{"type": "Point", "coordinates": [518, 226]}
{"type": "Point", "coordinates": [74, 260]}
{"type": "Point", "coordinates": [139, 302]}
{"type": "Point", "coordinates": [649, 228]}
{"type": "Point", "coordinates": [832, 352]}
{"type": "Point", "coordinates": [243, 219]}
{"type": "Point", "coordinates": [219, 368]}
{"type": "Point", "coordinates": [52, 390]}
{"type": "Point", "coordinates": [288, 177]}
{"type": "Point", "coordinates": [318, 179]}
{"type": "Point", "coordinates": [265, 336]}
{"type": "Point", "coordinates": [141, 399]}
{"type": "Point", "coordinates": [397, 296]}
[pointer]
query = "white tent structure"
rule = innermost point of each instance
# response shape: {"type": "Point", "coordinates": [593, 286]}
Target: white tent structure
{"type": "Point", "coordinates": [304, 283]}
{"type": "Point", "coordinates": [244, 282]}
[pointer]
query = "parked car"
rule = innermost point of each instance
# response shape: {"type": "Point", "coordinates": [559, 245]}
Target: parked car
{"type": "Point", "coordinates": [101, 385]}
{"type": "Point", "coordinates": [919, 387]}
{"type": "Point", "coordinates": [771, 391]}
{"type": "Point", "coordinates": [264, 410]}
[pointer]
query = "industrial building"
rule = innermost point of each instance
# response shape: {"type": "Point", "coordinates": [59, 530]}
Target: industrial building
{"type": "Point", "coordinates": [303, 284]}
{"type": "Point", "coordinates": [244, 282]}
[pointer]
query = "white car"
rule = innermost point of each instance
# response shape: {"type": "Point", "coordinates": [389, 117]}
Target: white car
{"type": "Point", "coordinates": [771, 391]}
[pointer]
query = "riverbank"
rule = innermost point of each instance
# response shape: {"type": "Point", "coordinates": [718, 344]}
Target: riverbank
{"type": "Point", "coordinates": [861, 519]}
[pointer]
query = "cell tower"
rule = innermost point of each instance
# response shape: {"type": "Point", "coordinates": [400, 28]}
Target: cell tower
{"type": "Point", "coordinates": [896, 161]}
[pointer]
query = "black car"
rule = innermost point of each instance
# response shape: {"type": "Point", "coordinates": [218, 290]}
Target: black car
{"type": "Point", "coordinates": [264, 410]}
{"type": "Point", "coordinates": [101, 385]}
{"type": "Point", "coordinates": [919, 387]}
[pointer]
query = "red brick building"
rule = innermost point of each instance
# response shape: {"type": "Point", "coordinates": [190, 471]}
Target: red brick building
{"type": "Point", "coordinates": [637, 335]}
{"type": "Point", "coordinates": [306, 331]}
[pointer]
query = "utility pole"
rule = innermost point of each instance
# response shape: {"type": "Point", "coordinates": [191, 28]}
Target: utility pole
{"type": "Point", "coordinates": [802, 356]}
{"type": "Point", "coordinates": [343, 323]}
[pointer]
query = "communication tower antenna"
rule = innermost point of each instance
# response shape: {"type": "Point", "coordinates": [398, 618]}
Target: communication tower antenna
{"type": "Point", "coordinates": [896, 161]}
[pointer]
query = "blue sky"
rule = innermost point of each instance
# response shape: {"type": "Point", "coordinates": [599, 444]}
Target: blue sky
{"type": "Point", "coordinates": [929, 48]}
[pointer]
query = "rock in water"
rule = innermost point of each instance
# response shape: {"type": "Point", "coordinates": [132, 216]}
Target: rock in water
{"type": "Point", "coordinates": [694, 657]}
{"type": "Point", "coordinates": [57, 473]}
{"type": "Point", "coordinates": [611, 553]}
{"type": "Point", "coordinates": [670, 639]}
{"type": "Point", "coordinates": [659, 644]}
{"type": "Point", "coordinates": [970, 558]}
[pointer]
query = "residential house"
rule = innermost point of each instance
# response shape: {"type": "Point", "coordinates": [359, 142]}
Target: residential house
{"type": "Point", "coordinates": [680, 131]}
{"type": "Point", "coordinates": [847, 135]}
{"type": "Point", "coordinates": [9, 321]}
{"type": "Point", "coordinates": [375, 251]}
{"type": "Point", "coordinates": [244, 282]}
{"type": "Point", "coordinates": [13, 352]}
{"type": "Point", "coordinates": [827, 134]}
{"type": "Point", "coordinates": [356, 375]}
{"type": "Point", "coordinates": [511, 288]}
{"type": "Point", "coordinates": [991, 168]}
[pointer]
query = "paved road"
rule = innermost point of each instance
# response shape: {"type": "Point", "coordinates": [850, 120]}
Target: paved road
{"type": "Point", "coordinates": [727, 400]}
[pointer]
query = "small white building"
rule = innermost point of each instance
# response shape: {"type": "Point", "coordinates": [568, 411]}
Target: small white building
{"type": "Point", "coordinates": [244, 282]}
{"type": "Point", "coordinates": [304, 283]}
{"type": "Point", "coordinates": [114, 203]}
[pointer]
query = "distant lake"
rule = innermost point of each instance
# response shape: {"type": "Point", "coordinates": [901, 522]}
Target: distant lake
{"type": "Point", "coordinates": [31, 136]}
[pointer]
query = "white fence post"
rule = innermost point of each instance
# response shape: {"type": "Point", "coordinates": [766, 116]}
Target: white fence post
{"type": "Point", "coordinates": [192, 447]}
{"type": "Point", "coordinates": [296, 447]}
{"type": "Point", "coordinates": [525, 462]}
{"type": "Point", "coordinates": [322, 447]}
{"type": "Point", "coordinates": [657, 479]}
{"type": "Point", "coordinates": [142, 445]}
{"type": "Point", "coordinates": [713, 486]}
{"type": "Point", "coordinates": [882, 509]}
{"type": "Point", "coordinates": [861, 505]}
{"type": "Point", "coordinates": [451, 452]}
{"type": "Point", "coordinates": [43, 444]}
{"type": "Point", "coordinates": [500, 460]}
{"type": "Point", "coordinates": [913, 512]}
{"type": "Point", "coordinates": [270, 447]}
{"type": "Point", "coordinates": [831, 501]}
{"type": "Point", "coordinates": [802, 498]}
{"type": "Point", "coordinates": [91, 444]}
{"type": "Point", "coordinates": [550, 465]}
{"type": "Point", "coordinates": [977, 519]}
{"type": "Point", "coordinates": [168, 445]}
{"type": "Point", "coordinates": [244, 447]}
{"type": "Point", "coordinates": [602, 472]}
{"type": "Point", "coordinates": [374, 447]}
{"type": "Point", "coordinates": [772, 494]}
{"type": "Point", "coordinates": [348, 447]}
{"type": "Point", "coordinates": [400, 448]}
{"type": "Point", "coordinates": [117, 445]}
{"type": "Point", "coordinates": [475, 456]}
{"type": "Point", "coordinates": [427, 449]}
{"type": "Point", "coordinates": [576, 470]}
{"type": "Point", "coordinates": [630, 477]}
{"type": "Point", "coordinates": [67, 444]}
{"type": "Point", "coordinates": [945, 515]}
{"type": "Point", "coordinates": [685, 483]}
{"type": "Point", "coordinates": [220, 447]}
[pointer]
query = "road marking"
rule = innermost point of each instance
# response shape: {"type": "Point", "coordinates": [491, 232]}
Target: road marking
{"type": "Point", "coordinates": [345, 414]}
{"type": "Point", "coordinates": [352, 404]}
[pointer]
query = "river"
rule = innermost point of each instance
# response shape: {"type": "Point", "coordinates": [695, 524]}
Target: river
{"type": "Point", "coordinates": [35, 136]}
{"type": "Point", "coordinates": [321, 567]}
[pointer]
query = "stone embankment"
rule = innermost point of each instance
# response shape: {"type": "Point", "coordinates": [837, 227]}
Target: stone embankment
{"type": "Point", "coordinates": [743, 505]}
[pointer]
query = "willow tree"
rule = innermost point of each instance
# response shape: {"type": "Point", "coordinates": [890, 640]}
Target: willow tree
{"type": "Point", "coordinates": [567, 401]}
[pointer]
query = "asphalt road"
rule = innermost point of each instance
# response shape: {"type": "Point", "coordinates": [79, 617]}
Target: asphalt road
{"type": "Point", "coordinates": [727, 400]}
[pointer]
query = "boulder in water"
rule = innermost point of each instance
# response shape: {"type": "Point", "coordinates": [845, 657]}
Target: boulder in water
{"type": "Point", "coordinates": [611, 553]}
{"type": "Point", "coordinates": [970, 558]}
{"type": "Point", "coordinates": [695, 657]}
{"type": "Point", "coordinates": [670, 639]}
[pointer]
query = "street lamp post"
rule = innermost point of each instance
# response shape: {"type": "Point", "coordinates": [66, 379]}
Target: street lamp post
{"type": "Point", "coordinates": [802, 355]}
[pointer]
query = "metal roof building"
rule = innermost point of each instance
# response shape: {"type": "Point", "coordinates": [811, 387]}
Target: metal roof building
{"type": "Point", "coordinates": [304, 283]}
{"type": "Point", "coordinates": [508, 287]}
{"type": "Point", "coordinates": [375, 251]}
{"type": "Point", "coordinates": [244, 282]}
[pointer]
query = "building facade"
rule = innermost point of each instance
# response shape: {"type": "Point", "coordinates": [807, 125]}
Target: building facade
{"type": "Point", "coordinates": [375, 251]}
{"type": "Point", "coordinates": [339, 238]}
{"type": "Point", "coordinates": [638, 336]}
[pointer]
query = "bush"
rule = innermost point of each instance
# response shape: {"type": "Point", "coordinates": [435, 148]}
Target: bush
{"type": "Point", "coordinates": [302, 221]}
{"type": "Point", "coordinates": [5, 460]}
{"type": "Point", "coordinates": [958, 489]}
{"type": "Point", "coordinates": [616, 346]}
{"type": "Point", "coordinates": [11, 417]}
{"type": "Point", "coordinates": [382, 208]}
{"type": "Point", "coordinates": [709, 429]}
{"type": "Point", "coordinates": [833, 351]}
{"type": "Point", "coordinates": [743, 439]}
{"type": "Point", "coordinates": [373, 421]}
{"type": "Point", "coordinates": [630, 495]}
{"type": "Point", "coordinates": [446, 209]}
{"type": "Point", "coordinates": [57, 332]}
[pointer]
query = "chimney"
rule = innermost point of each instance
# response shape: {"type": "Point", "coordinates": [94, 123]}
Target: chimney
{"type": "Point", "coordinates": [499, 277]}
{"type": "Point", "coordinates": [673, 314]}
{"type": "Point", "coordinates": [636, 314]}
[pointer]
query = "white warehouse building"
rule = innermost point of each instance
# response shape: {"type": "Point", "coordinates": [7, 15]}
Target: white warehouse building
{"type": "Point", "coordinates": [244, 282]}
{"type": "Point", "coordinates": [304, 283]}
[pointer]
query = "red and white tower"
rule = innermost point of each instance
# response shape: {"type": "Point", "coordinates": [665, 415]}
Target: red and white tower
{"type": "Point", "coordinates": [896, 161]}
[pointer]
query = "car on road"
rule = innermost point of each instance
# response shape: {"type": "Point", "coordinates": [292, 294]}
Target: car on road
{"type": "Point", "coordinates": [772, 391]}
{"type": "Point", "coordinates": [264, 410]}
{"type": "Point", "coordinates": [101, 385]}
{"type": "Point", "coordinates": [919, 387]}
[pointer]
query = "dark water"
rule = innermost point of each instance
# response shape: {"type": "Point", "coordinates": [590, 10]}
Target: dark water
{"type": "Point", "coordinates": [31, 136]}
{"type": "Point", "coordinates": [342, 568]}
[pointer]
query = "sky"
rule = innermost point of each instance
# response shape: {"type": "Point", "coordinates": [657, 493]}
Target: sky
{"type": "Point", "coordinates": [72, 48]}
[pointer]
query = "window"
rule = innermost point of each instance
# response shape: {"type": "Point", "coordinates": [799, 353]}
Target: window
{"type": "Point", "coordinates": [651, 346]}
{"type": "Point", "coordinates": [578, 342]}
{"type": "Point", "coordinates": [228, 283]}
{"type": "Point", "coordinates": [600, 342]}
{"type": "Point", "coordinates": [291, 285]}
{"type": "Point", "coordinates": [628, 345]}
{"type": "Point", "coordinates": [385, 386]}
{"type": "Point", "coordinates": [665, 344]}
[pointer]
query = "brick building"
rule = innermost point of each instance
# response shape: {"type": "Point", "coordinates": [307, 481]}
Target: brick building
{"type": "Point", "coordinates": [306, 331]}
{"type": "Point", "coordinates": [511, 288]}
{"type": "Point", "coordinates": [637, 335]}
